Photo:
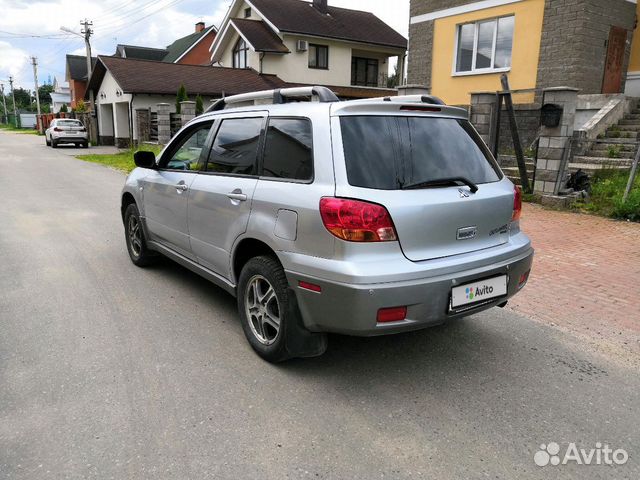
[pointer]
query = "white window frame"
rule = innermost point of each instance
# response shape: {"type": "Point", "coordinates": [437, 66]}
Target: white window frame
{"type": "Point", "coordinates": [474, 70]}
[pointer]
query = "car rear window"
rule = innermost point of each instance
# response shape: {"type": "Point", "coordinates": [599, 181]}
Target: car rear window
{"type": "Point", "coordinates": [69, 123]}
{"type": "Point", "coordinates": [387, 153]}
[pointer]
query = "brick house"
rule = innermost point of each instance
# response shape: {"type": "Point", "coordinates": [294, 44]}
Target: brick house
{"type": "Point", "coordinates": [192, 49]}
{"type": "Point", "coordinates": [310, 43]}
{"type": "Point", "coordinates": [460, 46]}
{"type": "Point", "coordinates": [76, 76]}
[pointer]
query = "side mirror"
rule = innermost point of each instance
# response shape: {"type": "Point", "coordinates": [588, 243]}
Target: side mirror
{"type": "Point", "coordinates": [144, 159]}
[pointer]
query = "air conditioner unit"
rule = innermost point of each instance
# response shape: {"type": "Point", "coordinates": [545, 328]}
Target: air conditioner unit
{"type": "Point", "coordinates": [302, 46]}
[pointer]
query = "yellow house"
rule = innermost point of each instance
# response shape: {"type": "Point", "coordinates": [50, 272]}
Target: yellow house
{"type": "Point", "coordinates": [633, 74]}
{"type": "Point", "coordinates": [457, 47]}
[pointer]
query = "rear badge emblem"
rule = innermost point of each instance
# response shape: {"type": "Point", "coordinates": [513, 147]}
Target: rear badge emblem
{"type": "Point", "coordinates": [467, 233]}
{"type": "Point", "coordinates": [463, 193]}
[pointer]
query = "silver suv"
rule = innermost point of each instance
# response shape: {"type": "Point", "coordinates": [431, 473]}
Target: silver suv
{"type": "Point", "coordinates": [365, 217]}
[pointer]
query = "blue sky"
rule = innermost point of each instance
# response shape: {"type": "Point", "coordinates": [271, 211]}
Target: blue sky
{"type": "Point", "coordinates": [32, 27]}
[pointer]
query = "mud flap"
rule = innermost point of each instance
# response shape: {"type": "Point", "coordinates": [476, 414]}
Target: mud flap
{"type": "Point", "coordinates": [300, 341]}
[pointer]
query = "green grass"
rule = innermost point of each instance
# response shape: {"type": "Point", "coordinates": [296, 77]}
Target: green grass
{"type": "Point", "coordinates": [122, 161]}
{"type": "Point", "coordinates": [607, 189]}
{"type": "Point", "coordinates": [11, 128]}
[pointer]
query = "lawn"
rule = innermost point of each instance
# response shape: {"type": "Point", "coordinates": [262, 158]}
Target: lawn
{"type": "Point", "coordinates": [11, 128]}
{"type": "Point", "coordinates": [607, 189]}
{"type": "Point", "coordinates": [122, 161]}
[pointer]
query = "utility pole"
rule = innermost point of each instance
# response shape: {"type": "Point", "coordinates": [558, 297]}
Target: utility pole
{"type": "Point", "coordinates": [5, 119]}
{"type": "Point", "coordinates": [13, 96]}
{"type": "Point", "coordinates": [87, 31]}
{"type": "Point", "coordinates": [34, 62]}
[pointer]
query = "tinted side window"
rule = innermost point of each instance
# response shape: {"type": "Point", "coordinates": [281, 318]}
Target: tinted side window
{"type": "Point", "coordinates": [186, 153]}
{"type": "Point", "coordinates": [288, 150]}
{"type": "Point", "coordinates": [236, 147]}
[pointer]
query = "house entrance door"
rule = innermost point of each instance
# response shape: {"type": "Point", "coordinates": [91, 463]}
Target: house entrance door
{"type": "Point", "coordinates": [612, 82]}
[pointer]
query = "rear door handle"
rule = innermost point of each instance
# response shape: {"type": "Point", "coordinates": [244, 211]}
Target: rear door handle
{"type": "Point", "coordinates": [239, 197]}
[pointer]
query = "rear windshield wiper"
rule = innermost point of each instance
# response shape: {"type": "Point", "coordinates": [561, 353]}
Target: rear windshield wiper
{"type": "Point", "coordinates": [442, 182]}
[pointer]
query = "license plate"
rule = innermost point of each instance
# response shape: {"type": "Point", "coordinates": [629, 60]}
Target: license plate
{"type": "Point", "coordinates": [478, 291]}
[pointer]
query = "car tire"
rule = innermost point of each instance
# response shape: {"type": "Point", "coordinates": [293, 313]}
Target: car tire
{"type": "Point", "coordinates": [85, 145]}
{"type": "Point", "coordinates": [140, 255]}
{"type": "Point", "coordinates": [270, 316]}
{"type": "Point", "coordinates": [47, 142]}
{"type": "Point", "coordinates": [54, 144]}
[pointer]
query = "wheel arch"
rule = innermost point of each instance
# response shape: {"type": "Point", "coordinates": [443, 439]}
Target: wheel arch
{"type": "Point", "coordinates": [246, 249]}
{"type": "Point", "coordinates": [127, 199]}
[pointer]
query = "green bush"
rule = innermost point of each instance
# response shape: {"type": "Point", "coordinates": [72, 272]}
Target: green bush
{"type": "Point", "coordinates": [181, 97]}
{"type": "Point", "coordinates": [607, 190]}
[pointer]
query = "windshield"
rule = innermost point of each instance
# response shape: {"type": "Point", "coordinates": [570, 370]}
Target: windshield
{"type": "Point", "coordinates": [69, 123]}
{"type": "Point", "coordinates": [389, 153]}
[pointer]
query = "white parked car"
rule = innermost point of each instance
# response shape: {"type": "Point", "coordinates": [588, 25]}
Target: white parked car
{"type": "Point", "coordinates": [66, 130]}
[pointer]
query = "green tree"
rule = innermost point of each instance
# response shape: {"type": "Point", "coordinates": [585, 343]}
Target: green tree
{"type": "Point", "coordinates": [181, 97]}
{"type": "Point", "coordinates": [45, 93]}
{"type": "Point", "coordinates": [199, 105]}
{"type": "Point", "coordinates": [23, 99]}
{"type": "Point", "coordinates": [63, 108]}
{"type": "Point", "coordinates": [81, 107]}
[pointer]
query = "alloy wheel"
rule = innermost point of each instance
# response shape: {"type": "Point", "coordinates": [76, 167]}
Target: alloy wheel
{"type": "Point", "coordinates": [262, 309]}
{"type": "Point", "coordinates": [135, 235]}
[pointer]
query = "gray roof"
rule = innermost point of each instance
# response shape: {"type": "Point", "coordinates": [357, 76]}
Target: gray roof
{"type": "Point", "coordinates": [77, 67]}
{"type": "Point", "coordinates": [141, 53]}
{"type": "Point", "coordinates": [296, 16]}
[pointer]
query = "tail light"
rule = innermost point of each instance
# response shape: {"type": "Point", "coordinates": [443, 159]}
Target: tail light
{"type": "Point", "coordinates": [394, 314]}
{"type": "Point", "coordinates": [517, 203]}
{"type": "Point", "coordinates": [357, 221]}
{"type": "Point", "coordinates": [82, 130]}
{"type": "Point", "coordinates": [56, 129]}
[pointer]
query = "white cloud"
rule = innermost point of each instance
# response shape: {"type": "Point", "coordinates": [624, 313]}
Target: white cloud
{"type": "Point", "coordinates": [13, 62]}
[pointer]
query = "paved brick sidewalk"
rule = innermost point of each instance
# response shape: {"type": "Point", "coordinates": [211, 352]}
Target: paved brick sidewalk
{"type": "Point", "coordinates": [585, 274]}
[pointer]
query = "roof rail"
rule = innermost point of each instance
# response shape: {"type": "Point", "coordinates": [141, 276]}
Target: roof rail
{"type": "Point", "coordinates": [278, 96]}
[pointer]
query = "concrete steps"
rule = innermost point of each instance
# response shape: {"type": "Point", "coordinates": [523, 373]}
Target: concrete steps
{"type": "Point", "coordinates": [616, 141]}
{"type": "Point", "coordinates": [606, 153]}
{"type": "Point", "coordinates": [603, 161]}
{"type": "Point", "coordinates": [590, 168]}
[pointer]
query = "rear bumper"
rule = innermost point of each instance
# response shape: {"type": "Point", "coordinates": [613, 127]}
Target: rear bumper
{"type": "Point", "coordinates": [351, 308]}
{"type": "Point", "coordinates": [70, 139]}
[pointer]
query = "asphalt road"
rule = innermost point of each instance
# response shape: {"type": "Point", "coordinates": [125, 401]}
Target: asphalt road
{"type": "Point", "coordinates": [110, 371]}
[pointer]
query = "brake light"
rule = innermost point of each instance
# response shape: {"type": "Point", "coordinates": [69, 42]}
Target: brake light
{"type": "Point", "coordinates": [56, 129]}
{"type": "Point", "coordinates": [82, 130]}
{"type": "Point", "coordinates": [357, 221]}
{"type": "Point", "coordinates": [517, 203]}
{"type": "Point", "coordinates": [394, 314]}
{"type": "Point", "coordinates": [414, 108]}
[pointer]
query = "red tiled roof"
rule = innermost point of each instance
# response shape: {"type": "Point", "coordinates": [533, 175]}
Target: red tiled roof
{"type": "Point", "coordinates": [143, 76]}
{"type": "Point", "coordinates": [260, 36]}
{"type": "Point", "coordinates": [296, 16]}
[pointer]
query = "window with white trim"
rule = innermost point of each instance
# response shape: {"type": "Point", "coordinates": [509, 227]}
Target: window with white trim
{"type": "Point", "coordinates": [240, 54]}
{"type": "Point", "coordinates": [484, 46]}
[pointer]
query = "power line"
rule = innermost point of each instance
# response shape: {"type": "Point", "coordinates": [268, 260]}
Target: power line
{"type": "Point", "coordinates": [52, 36]}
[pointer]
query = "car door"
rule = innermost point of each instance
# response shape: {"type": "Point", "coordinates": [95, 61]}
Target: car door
{"type": "Point", "coordinates": [166, 189]}
{"type": "Point", "coordinates": [221, 195]}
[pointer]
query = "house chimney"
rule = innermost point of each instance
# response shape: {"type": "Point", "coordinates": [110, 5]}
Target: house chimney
{"type": "Point", "coordinates": [321, 5]}
{"type": "Point", "coordinates": [199, 27]}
